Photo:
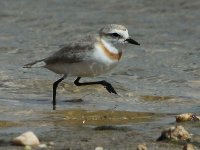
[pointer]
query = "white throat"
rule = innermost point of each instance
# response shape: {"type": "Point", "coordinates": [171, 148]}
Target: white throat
{"type": "Point", "coordinates": [109, 46]}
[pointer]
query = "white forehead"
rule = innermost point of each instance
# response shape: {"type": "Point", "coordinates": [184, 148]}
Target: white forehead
{"type": "Point", "coordinates": [115, 28]}
{"type": "Point", "coordinates": [123, 33]}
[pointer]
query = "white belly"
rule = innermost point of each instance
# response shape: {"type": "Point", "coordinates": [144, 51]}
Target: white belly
{"type": "Point", "coordinates": [82, 69]}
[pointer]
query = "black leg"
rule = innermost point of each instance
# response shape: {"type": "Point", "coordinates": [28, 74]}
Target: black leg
{"type": "Point", "coordinates": [107, 85]}
{"type": "Point", "coordinates": [55, 85]}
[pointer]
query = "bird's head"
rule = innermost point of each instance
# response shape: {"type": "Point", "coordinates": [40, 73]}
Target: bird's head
{"type": "Point", "coordinates": [115, 34]}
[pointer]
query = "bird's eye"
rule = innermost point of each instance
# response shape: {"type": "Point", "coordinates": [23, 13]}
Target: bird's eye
{"type": "Point", "coordinates": [115, 35]}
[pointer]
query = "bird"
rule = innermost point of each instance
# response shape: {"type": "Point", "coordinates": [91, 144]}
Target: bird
{"type": "Point", "coordinates": [88, 56]}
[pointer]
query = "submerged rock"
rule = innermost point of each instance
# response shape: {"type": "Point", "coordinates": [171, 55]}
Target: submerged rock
{"type": "Point", "coordinates": [27, 138]}
{"type": "Point", "coordinates": [189, 147]}
{"type": "Point", "coordinates": [177, 133]}
{"type": "Point", "coordinates": [109, 127]}
{"type": "Point", "coordinates": [187, 117]}
{"type": "Point", "coordinates": [142, 147]}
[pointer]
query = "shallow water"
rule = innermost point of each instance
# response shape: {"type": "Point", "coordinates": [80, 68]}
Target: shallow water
{"type": "Point", "coordinates": [159, 79]}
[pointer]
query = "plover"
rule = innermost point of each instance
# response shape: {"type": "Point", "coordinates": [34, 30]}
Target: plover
{"type": "Point", "coordinates": [91, 56]}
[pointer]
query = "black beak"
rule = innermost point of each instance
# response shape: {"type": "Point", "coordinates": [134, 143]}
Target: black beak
{"type": "Point", "coordinates": [131, 41]}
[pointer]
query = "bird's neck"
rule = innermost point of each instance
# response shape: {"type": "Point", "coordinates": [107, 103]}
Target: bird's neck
{"type": "Point", "coordinates": [109, 45]}
{"type": "Point", "coordinates": [109, 49]}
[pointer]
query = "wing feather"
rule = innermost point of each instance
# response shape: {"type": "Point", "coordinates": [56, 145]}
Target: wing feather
{"type": "Point", "coordinates": [72, 53]}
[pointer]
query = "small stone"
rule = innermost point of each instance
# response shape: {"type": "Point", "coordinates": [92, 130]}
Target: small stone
{"type": "Point", "coordinates": [42, 146]}
{"type": "Point", "coordinates": [188, 147]}
{"type": "Point", "coordinates": [187, 117]}
{"type": "Point", "coordinates": [177, 133]}
{"type": "Point", "coordinates": [27, 138]}
{"type": "Point", "coordinates": [99, 148]}
{"type": "Point", "coordinates": [51, 143]}
{"type": "Point", "coordinates": [142, 147]}
{"type": "Point", "coordinates": [27, 147]}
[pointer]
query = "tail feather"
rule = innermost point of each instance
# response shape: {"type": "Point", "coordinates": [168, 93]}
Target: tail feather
{"type": "Point", "coordinates": [35, 64]}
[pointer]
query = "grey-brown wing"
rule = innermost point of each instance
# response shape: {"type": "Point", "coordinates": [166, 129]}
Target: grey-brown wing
{"type": "Point", "coordinates": [71, 53]}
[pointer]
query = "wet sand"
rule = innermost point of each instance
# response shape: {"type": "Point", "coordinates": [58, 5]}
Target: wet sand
{"type": "Point", "coordinates": [155, 81]}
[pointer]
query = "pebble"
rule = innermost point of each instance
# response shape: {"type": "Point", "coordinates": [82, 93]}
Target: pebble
{"type": "Point", "coordinates": [99, 148]}
{"type": "Point", "coordinates": [27, 147]}
{"type": "Point", "coordinates": [42, 146]}
{"type": "Point", "coordinates": [51, 143]}
{"type": "Point", "coordinates": [187, 117]}
{"type": "Point", "coordinates": [27, 138]}
{"type": "Point", "coordinates": [142, 147]}
{"type": "Point", "coordinates": [189, 147]}
{"type": "Point", "coordinates": [177, 133]}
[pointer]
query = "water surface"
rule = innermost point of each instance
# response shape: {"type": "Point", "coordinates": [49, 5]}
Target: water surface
{"type": "Point", "coordinates": [157, 80]}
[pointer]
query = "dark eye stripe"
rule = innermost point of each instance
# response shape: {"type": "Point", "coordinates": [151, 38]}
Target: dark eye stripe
{"type": "Point", "coordinates": [115, 35]}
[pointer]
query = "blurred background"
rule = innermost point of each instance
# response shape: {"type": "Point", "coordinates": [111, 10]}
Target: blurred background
{"type": "Point", "coordinates": [162, 76]}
